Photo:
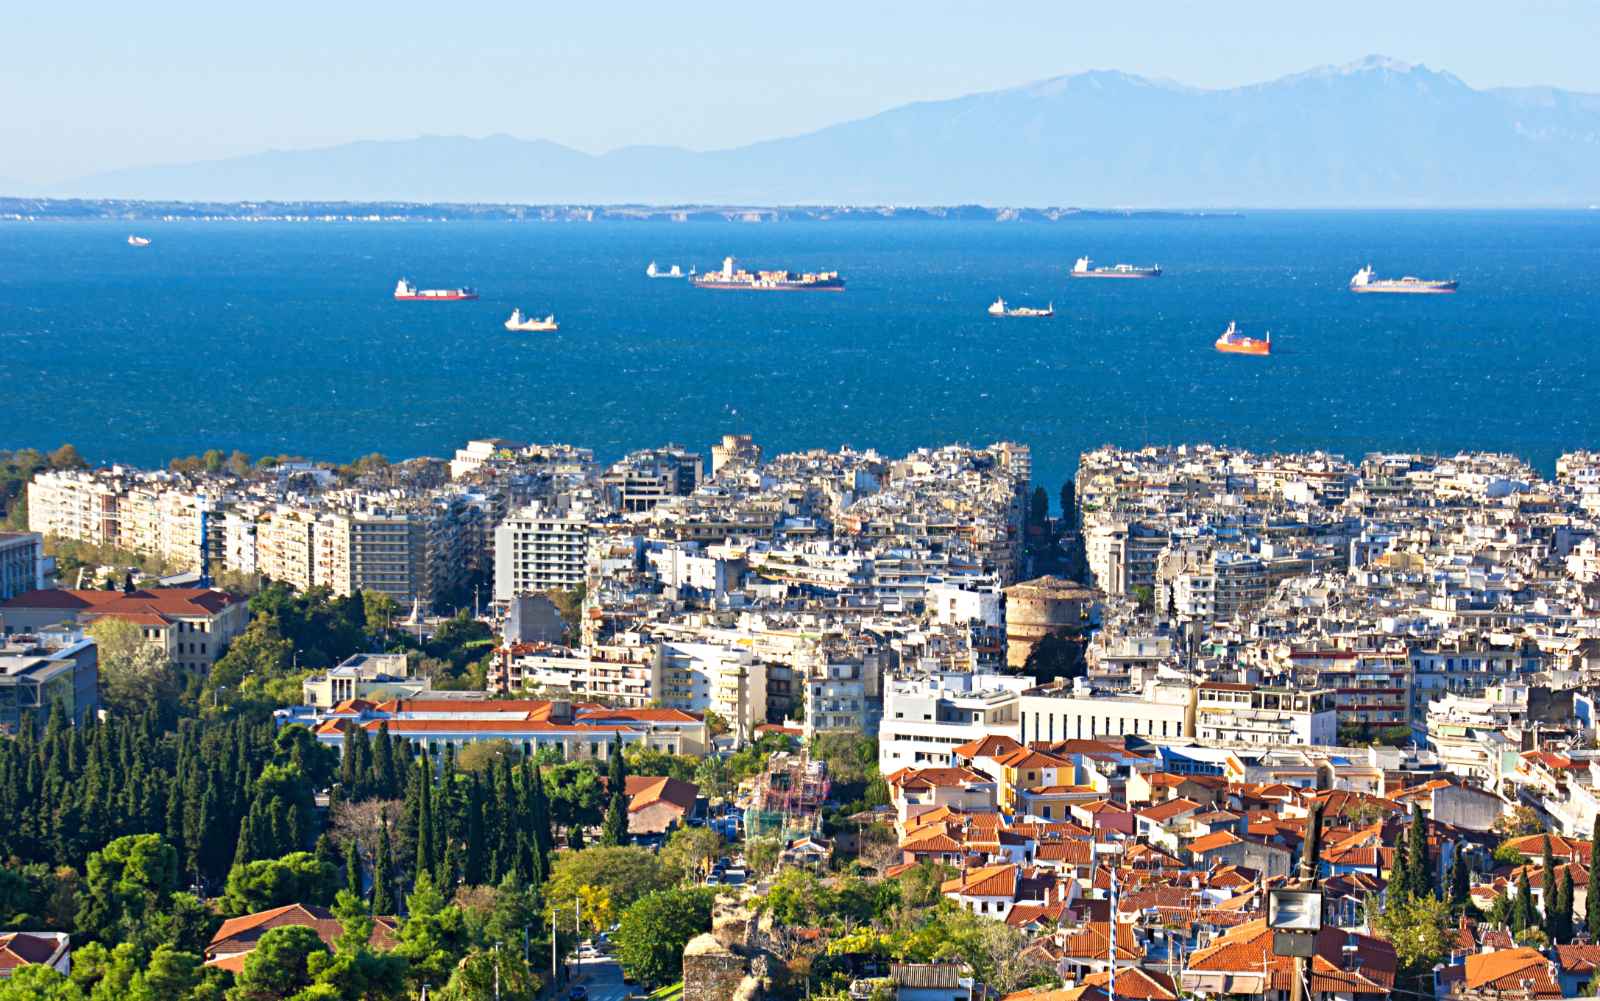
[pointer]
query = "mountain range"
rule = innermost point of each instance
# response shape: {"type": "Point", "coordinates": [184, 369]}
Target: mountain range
{"type": "Point", "coordinates": [1375, 133]}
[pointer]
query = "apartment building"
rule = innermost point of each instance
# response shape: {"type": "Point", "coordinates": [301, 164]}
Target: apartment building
{"type": "Point", "coordinates": [1062, 711]}
{"type": "Point", "coordinates": [615, 675]}
{"type": "Point", "coordinates": [41, 670]}
{"type": "Point", "coordinates": [643, 479]}
{"type": "Point", "coordinates": [1231, 713]}
{"type": "Point", "coordinates": [926, 718]}
{"type": "Point", "coordinates": [729, 681]}
{"type": "Point", "coordinates": [21, 563]}
{"type": "Point", "coordinates": [539, 549]}
{"type": "Point", "coordinates": [192, 625]}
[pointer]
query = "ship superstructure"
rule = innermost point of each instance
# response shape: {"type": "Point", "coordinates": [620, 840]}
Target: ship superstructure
{"type": "Point", "coordinates": [1084, 268]}
{"type": "Point", "coordinates": [404, 290]}
{"type": "Point", "coordinates": [138, 241]}
{"type": "Point", "coordinates": [518, 322]}
{"type": "Point", "coordinates": [1364, 281]}
{"type": "Point", "coordinates": [738, 279]}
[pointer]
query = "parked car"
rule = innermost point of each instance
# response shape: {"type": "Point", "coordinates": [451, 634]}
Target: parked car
{"type": "Point", "coordinates": [578, 993]}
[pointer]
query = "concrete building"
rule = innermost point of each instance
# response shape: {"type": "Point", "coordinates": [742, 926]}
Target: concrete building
{"type": "Point", "coordinates": [538, 550]}
{"type": "Point", "coordinates": [375, 677]}
{"type": "Point", "coordinates": [926, 718]}
{"type": "Point", "coordinates": [1060, 711]}
{"type": "Point", "coordinates": [1229, 713]}
{"type": "Point", "coordinates": [695, 677]}
{"type": "Point", "coordinates": [40, 671]}
{"type": "Point", "coordinates": [192, 625]}
{"type": "Point", "coordinates": [643, 479]}
{"type": "Point", "coordinates": [21, 563]}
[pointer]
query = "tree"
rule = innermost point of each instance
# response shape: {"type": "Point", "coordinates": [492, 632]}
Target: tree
{"type": "Point", "coordinates": [626, 873]}
{"type": "Point", "coordinates": [434, 937]}
{"type": "Point", "coordinates": [1561, 920]}
{"type": "Point", "coordinates": [716, 726]}
{"type": "Point", "coordinates": [690, 852]}
{"type": "Point", "coordinates": [1069, 504]}
{"type": "Point", "coordinates": [278, 967]}
{"type": "Point", "coordinates": [1552, 923]}
{"type": "Point", "coordinates": [615, 829]}
{"type": "Point", "coordinates": [135, 673]}
{"type": "Point", "coordinates": [1399, 875]}
{"type": "Point", "coordinates": [352, 868]}
{"type": "Point", "coordinates": [1592, 902]}
{"type": "Point", "coordinates": [383, 891]}
{"type": "Point", "coordinates": [1038, 508]}
{"type": "Point", "coordinates": [129, 880]}
{"type": "Point", "coordinates": [492, 973]}
{"type": "Point", "coordinates": [655, 928]}
{"type": "Point", "coordinates": [1420, 873]}
{"type": "Point", "coordinates": [39, 983]}
{"type": "Point", "coordinates": [299, 877]}
{"type": "Point", "coordinates": [1523, 913]}
{"type": "Point", "coordinates": [1520, 822]}
{"type": "Point", "coordinates": [1460, 881]}
{"type": "Point", "coordinates": [1420, 930]}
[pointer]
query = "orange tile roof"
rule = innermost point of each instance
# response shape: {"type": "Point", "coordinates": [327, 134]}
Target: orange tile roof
{"type": "Point", "coordinates": [1134, 982]}
{"type": "Point", "coordinates": [1213, 841]}
{"type": "Point", "coordinates": [987, 881]}
{"type": "Point", "coordinates": [1507, 968]}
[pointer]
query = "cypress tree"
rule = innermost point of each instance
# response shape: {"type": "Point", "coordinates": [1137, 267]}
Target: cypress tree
{"type": "Point", "coordinates": [1523, 913]}
{"type": "Point", "coordinates": [426, 857]}
{"type": "Point", "coordinates": [1549, 887]}
{"type": "Point", "coordinates": [243, 850]}
{"type": "Point", "coordinates": [385, 776]}
{"type": "Point", "coordinates": [617, 768]}
{"type": "Point", "coordinates": [615, 829]}
{"type": "Point", "coordinates": [1421, 871]}
{"type": "Point", "coordinates": [474, 866]}
{"type": "Point", "coordinates": [575, 837]}
{"type": "Point", "coordinates": [352, 868]}
{"type": "Point", "coordinates": [383, 898]}
{"type": "Point", "coordinates": [1399, 873]}
{"type": "Point", "coordinates": [1563, 908]}
{"type": "Point", "coordinates": [1460, 881]}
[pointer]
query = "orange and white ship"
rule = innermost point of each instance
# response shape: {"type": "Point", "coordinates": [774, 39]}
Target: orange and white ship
{"type": "Point", "coordinates": [1235, 342]}
{"type": "Point", "coordinates": [404, 290]}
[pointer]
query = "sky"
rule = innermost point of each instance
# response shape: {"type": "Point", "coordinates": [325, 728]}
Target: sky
{"type": "Point", "coordinates": [93, 86]}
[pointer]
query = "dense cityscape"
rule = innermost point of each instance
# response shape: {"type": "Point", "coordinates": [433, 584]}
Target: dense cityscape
{"type": "Point", "coordinates": [523, 724]}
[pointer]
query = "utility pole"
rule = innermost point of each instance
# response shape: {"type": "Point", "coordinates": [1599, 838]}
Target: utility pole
{"type": "Point", "coordinates": [1111, 935]}
{"type": "Point", "coordinates": [1310, 856]}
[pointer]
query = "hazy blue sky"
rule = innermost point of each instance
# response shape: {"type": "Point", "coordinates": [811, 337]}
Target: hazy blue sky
{"type": "Point", "coordinates": [93, 86]}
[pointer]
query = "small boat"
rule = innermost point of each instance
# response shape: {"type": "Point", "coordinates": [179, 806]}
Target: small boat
{"type": "Point", "coordinates": [138, 241]}
{"type": "Point", "coordinates": [999, 308]}
{"type": "Point", "coordinates": [521, 323]}
{"type": "Point", "coordinates": [654, 272]}
{"type": "Point", "coordinates": [1084, 268]}
{"type": "Point", "coordinates": [1234, 342]}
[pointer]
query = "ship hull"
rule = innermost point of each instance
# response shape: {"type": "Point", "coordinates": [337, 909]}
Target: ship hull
{"type": "Point", "coordinates": [785, 287]}
{"type": "Point", "coordinates": [1426, 290]}
{"type": "Point", "coordinates": [1127, 275]}
{"type": "Point", "coordinates": [1253, 350]}
{"type": "Point", "coordinates": [448, 297]}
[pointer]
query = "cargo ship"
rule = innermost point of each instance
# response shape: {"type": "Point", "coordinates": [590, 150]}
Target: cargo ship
{"type": "Point", "coordinates": [1234, 342]}
{"type": "Point", "coordinates": [1363, 281]}
{"type": "Point", "coordinates": [999, 308]}
{"type": "Point", "coordinates": [519, 322]}
{"type": "Point", "coordinates": [654, 272]}
{"type": "Point", "coordinates": [138, 241]}
{"type": "Point", "coordinates": [1084, 268]}
{"type": "Point", "coordinates": [405, 290]}
{"type": "Point", "coordinates": [739, 279]}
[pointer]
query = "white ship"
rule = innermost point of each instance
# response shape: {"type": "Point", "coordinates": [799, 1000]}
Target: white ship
{"type": "Point", "coordinates": [138, 241]}
{"type": "Point", "coordinates": [520, 323]}
{"type": "Point", "coordinates": [654, 272]}
{"type": "Point", "coordinates": [999, 308]}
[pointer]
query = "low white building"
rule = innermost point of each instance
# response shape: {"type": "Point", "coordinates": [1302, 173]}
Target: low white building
{"type": "Point", "coordinates": [926, 717]}
{"type": "Point", "coordinates": [1076, 712]}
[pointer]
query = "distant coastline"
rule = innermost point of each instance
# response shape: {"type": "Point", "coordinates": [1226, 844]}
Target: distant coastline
{"type": "Point", "coordinates": [108, 209]}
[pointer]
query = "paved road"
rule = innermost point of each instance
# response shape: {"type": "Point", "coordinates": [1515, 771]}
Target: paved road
{"type": "Point", "coordinates": [603, 977]}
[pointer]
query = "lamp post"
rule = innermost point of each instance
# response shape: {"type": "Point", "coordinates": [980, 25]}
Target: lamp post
{"type": "Point", "coordinates": [1294, 911]}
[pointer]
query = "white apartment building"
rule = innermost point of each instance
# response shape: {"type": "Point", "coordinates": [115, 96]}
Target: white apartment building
{"type": "Point", "coordinates": [615, 675]}
{"type": "Point", "coordinates": [539, 549]}
{"type": "Point", "coordinates": [21, 563]}
{"type": "Point", "coordinates": [1122, 556]}
{"type": "Point", "coordinates": [1479, 736]}
{"type": "Point", "coordinates": [926, 718]}
{"type": "Point", "coordinates": [1077, 712]}
{"type": "Point", "coordinates": [1229, 713]}
{"type": "Point", "coordinates": [696, 677]}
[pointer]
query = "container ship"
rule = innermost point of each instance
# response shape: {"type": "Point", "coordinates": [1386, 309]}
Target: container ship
{"type": "Point", "coordinates": [405, 290]}
{"type": "Point", "coordinates": [1234, 342]}
{"type": "Point", "coordinates": [138, 241]}
{"type": "Point", "coordinates": [767, 281]}
{"type": "Point", "coordinates": [1084, 268]}
{"type": "Point", "coordinates": [654, 272]}
{"type": "Point", "coordinates": [999, 308]}
{"type": "Point", "coordinates": [1363, 281]}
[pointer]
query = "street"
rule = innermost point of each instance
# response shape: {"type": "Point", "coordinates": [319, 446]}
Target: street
{"type": "Point", "coordinates": [603, 977]}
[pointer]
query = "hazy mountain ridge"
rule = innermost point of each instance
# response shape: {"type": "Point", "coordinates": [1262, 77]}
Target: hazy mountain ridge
{"type": "Point", "coordinates": [1377, 132]}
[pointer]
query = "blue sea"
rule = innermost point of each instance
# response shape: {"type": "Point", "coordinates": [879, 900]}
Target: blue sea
{"type": "Point", "coordinates": [284, 338]}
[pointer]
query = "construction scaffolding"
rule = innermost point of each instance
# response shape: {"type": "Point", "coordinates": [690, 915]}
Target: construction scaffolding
{"type": "Point", "coordinates": [788, 799]}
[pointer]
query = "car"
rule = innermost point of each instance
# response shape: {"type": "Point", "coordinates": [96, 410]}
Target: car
{"type": "Point", "coordinates": [578, 993]}
{"type": "Point", "coordinates": [713, 880]}
{"type": "Point", "coordinates": [588, 952]}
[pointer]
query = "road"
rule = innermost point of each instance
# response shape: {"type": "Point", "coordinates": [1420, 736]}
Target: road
{"type": "Point", "coordinates": [603, 977]}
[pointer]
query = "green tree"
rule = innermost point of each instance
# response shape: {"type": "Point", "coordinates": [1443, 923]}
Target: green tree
{"type": "Point", "coordinates": [355, 970]}
{"type": "Point", "coordinates": [278, 967]}
{"type": "Point", "coordinates": [1523, 913]}
{"type": "Point", "coordinates": [1561, 920]}
{"type": "Point", "coordinates": [299, 877]}
{"type": "Point", "coordinates": [1552, 922]}
{"type": "Point", "coordinates": [1421, 932]}
{"type": "Point", "coordinates": [624, 873]}
{"type": "Point", "coordinates": [1460, 881]}
{"type": "Point", "coordinates": [1592, 901]}
{"type": "Point", "coordinates": [488, 973]}
{"type": "Point", "coordinates": [135, 672]}
{"type": "Point", "coordinates": [39, 983]}
{"type": "Point", "coordinates": [132, 878]}
{"type": "Point", "coordinates": [689, 853]}
{"type": "Point", "coordinates": [434, 937]}
{"type": "Point", "coordinates": [655, 928]}
{"type": "Point", "coordinates": [615, 829]}
{"type": "Point", "coordinates": [383, 889]}
{"type": "Point", "coordinates": [1420, 873]}
{"type": "Point", "coordinates": [352, 868]}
